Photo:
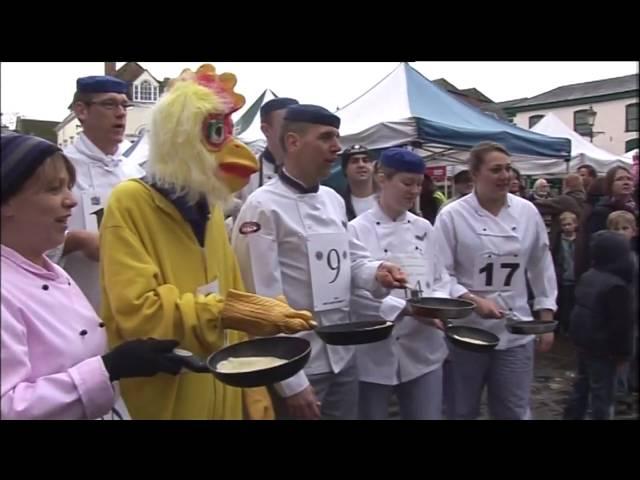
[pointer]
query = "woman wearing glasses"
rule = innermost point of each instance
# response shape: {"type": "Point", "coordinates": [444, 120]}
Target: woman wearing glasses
{"type": "Point", "coordinates": [100, 104]}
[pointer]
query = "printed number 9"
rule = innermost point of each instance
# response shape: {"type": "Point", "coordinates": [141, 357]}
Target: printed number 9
{"type": "Point", "coordinates": [333, 262]}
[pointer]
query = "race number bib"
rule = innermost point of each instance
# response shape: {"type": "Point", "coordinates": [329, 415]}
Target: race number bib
{"type": "Point", "coordinates": [93, 205]}
{"type": "Point", "coordinates": [497, 273]}
{"type": "Point", "coordinates": [330, 267]}
{"type": "Point", "coordinates": [415, 267]}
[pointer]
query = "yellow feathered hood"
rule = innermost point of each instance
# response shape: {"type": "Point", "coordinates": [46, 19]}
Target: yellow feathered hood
{"type": "Point", "coordinates": [191, 144]}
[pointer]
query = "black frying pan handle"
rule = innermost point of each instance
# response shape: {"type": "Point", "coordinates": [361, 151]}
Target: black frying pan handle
{"type": "Point", "coordinates": [189, 361]}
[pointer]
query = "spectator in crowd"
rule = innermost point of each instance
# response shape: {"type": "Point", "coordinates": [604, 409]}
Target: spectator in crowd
{"type": "Point", "coordinates": [564, 257]}
{"type": "Point", "coordinates": [601, 327]}
{"type": "Point", "coordinates": [588, 174]}
{"type": "Point", "coordinates": [625, 223]}
{"type": "Point", "coordinates": [431, 199]}
{"type": "Point", "coordinates": [359, 195]}
{"type": "Point", "coordinates": [572, 200]}
{"type": "Point", "coordinates": [462, 185]}
{"type": "Point", "coordinates": [618, 195]}
{"type": "Point", "coordinates": [541, 190]}
{"type": "Point", "coordinates": [516, 187]}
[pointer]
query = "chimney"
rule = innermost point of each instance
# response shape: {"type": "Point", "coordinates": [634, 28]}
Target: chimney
{"type": "Point", "coordinates": [110, 68]}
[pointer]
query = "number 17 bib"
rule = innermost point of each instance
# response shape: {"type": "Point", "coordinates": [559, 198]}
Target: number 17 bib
{"type": "Point", "coordinates": [497, 273]}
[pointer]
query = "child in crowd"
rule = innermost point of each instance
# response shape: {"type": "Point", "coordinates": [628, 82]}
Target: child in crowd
{"type": "Point", "coordinates": [601, 326]}
{"type": "Point", "coordinates": [625, 223]}
{"type": "Point", "coordinates": [564, 257]}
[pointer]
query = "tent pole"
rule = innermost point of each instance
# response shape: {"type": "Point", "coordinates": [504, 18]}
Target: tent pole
{"type": "Point", "coordinates": [446, 183]}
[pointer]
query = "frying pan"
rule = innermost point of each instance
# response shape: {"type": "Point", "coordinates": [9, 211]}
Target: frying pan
{"type": "Point", "coordinates": [531, 327]}
{"type": "Point", "coordinates": [355, 333]}
{"type": "Point", "coordinates": [465, 338]}
{"type": "Point", "coordinates": [446, 309]}
{"type": "Point", "coordinates": [294, 350]}
{"type": "Point", "coordinates": [526, 327]}
{"type": "Point", "coordinates": [442, 308]}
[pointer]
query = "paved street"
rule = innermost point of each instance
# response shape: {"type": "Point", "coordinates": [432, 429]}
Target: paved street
{"type": "Point", "coordinates": [552, 385]}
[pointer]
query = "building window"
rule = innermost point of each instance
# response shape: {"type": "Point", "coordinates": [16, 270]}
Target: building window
{"type": "Point", "coordinates": [631, 144]}
{"type": "Point", "coordinates": [145, 91]}
{"type": "Point", "coordinates": [631, 118]}
{"type": "Point", "coordinates": [533, 119]}
{"type": "Point", "coordinates": [580, 122]}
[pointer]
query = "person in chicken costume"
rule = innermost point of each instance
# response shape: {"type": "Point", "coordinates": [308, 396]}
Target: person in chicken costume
{"type": "Point", "coordinates": [167, 269]}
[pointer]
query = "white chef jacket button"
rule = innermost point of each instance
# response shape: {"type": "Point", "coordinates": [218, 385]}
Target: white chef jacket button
{"type": "Point", "coordinates": [83, 333]}
{"type": "Point", "coordinates": [45, 287]}
{"type": "Point", "coordinates": [386, 251]}
{"type": "Point", "coordinates": [377, 223]}
{"type": "Point", "coordinates": [513, 228]}
{"type": "Point", "coordinates": [101, 324]}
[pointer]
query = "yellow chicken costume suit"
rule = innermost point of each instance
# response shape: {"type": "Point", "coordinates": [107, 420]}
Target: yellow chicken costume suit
{"type": "Point", "coordinates": [167, 269]}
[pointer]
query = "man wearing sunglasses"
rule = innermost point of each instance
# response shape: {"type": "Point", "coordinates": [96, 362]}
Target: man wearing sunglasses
{"type": "Point", "coordinates": [100, 103]}
{"type": "Point", "coordinates": [359, 195]}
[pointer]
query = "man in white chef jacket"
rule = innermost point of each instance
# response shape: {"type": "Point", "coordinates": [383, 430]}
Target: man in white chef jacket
{"type": "Point", "coordinates": [271, 118]}
{"type": "Point", "coordinates": [100, 104]}
{"type": "Point", "coordinates": [270, 160]}
{"type": "Point", "coordinates": [291, 239]}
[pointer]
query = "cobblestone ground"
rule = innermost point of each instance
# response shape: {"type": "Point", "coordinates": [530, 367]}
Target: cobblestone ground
{"type": "Point", "coordinates": [553, 381]}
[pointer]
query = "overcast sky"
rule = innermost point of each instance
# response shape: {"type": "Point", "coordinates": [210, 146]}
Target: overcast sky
{"type": "Point", "coordinates": [44, 90]}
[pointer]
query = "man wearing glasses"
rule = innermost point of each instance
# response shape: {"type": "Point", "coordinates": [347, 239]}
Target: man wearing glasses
{"type": "Point", "coordinates": [100, 104]}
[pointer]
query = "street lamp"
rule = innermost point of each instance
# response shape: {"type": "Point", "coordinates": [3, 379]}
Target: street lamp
{"type": "Point", "coordinates": [591, 121]}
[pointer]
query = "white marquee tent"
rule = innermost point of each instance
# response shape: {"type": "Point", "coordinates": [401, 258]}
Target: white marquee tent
{"type": "Point", "coordinates": [582, 151]}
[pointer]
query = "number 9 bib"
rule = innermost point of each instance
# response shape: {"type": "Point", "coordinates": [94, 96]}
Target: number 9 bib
{"type": "Point", "coordinates": [330, 268]}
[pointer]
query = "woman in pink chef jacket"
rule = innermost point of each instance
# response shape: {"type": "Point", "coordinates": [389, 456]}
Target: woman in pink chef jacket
{"type": "Point", "coordinates": [55, 363]}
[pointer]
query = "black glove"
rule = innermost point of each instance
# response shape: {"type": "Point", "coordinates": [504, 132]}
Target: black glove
{"type": "Point", "coordinates": [141, 358]}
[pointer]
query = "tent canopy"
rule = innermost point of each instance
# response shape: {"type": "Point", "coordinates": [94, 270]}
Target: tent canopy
{"type": "Point", "coordinates": [582, 151]}
{"type": "Point", "coordinates": [629, 155]}
{"type": "Point", "coordinates": [138, 152]}
{"type": "Point", "coordinates": [405, 108]}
